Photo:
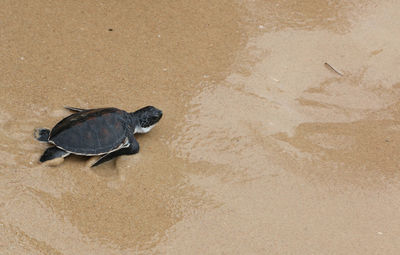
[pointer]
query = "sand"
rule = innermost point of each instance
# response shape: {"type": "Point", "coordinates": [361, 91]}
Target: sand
{"type": "Point", "coordinates": [262, 149]}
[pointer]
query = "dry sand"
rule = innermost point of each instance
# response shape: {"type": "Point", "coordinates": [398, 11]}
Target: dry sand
{"type": "Point", "coordinates": [263, 149]}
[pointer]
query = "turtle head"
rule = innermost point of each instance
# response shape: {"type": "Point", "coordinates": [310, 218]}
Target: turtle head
{"type": "Point", "coordinates": [145, 118]}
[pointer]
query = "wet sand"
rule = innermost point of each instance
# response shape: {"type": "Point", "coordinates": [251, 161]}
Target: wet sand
{"type": "Point", "coordinates": [262, 149]}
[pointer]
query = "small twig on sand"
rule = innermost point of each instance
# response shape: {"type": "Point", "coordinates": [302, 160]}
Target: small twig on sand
{"type": "Point", "coordinates": [331, 67]}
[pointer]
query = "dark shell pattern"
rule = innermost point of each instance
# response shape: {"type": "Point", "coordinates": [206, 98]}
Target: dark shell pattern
{"type": "Point", "coordinates": [91, 132]}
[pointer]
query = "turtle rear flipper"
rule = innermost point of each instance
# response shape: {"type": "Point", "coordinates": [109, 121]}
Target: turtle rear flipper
{"type": "Point", "coordinates": [52, 153]}
{"type": "Point", "coordinates": [74, 109]}
{"type": "Point", "coordinates": [42, 134]}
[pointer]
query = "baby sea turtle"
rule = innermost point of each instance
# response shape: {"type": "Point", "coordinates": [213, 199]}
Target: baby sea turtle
{"type": "Point", "coordinates": [105, 131]}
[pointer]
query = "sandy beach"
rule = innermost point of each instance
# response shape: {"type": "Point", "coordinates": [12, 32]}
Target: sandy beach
{"type": "Point", "coordinates": [280, 133]}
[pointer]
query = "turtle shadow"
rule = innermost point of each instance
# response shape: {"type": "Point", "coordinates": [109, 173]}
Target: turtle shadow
{"type": "Point", "coordinates": [107, 169]}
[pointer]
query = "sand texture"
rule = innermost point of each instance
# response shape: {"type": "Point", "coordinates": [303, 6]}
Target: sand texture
{"type": "Point", "coordinates": [280, 134]}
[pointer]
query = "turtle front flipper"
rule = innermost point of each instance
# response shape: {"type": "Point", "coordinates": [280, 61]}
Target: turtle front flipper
{"type": "Point", "coordinates": [131, 149]}
{"type": "Point", "coordinates": [42, 134]}
{"type": "Point", "coordinates": [52, 153]}
{"type": "Point", "coordinates": [74, 109]}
